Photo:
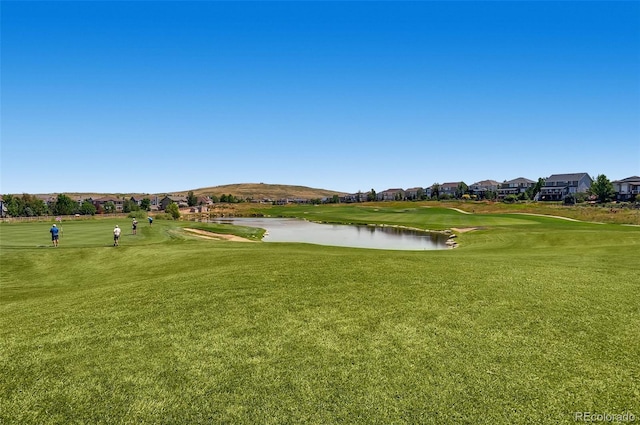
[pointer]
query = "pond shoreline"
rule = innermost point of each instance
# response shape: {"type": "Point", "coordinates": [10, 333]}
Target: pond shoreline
{"type": "Point", "coordinates": [346, 233]}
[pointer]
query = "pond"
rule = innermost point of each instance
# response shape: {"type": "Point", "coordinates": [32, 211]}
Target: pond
{"type": "Point", "coordinates": [355, 236]}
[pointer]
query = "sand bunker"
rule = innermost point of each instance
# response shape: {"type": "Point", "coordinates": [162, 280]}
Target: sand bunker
{"type": "Point", "coordinates": [464, 229]}
{"type": "Point", "coordinates": [217, 236]}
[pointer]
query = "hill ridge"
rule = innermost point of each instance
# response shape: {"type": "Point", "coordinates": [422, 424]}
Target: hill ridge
{"type": "Point", "coordinates": [244, 190]}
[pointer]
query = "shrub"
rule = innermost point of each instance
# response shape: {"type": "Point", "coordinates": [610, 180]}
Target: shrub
{"type": "Point", "coordinates": [510, 199]}
{"type": "Point", "coordinates": [140, 215]}
{"type": "Point", "coordinates": [173, 210]}
{"type": "Point", "coordinates": [162, 216]}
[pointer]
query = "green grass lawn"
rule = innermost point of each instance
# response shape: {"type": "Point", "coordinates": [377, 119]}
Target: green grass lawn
{"type": "Point", "coordinates": [530, 320]}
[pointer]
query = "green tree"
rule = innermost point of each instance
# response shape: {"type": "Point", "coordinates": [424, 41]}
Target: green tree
{"type": "Point", "coordinates": [435, 190]}
{"type": "Point", "coordinates": [87, 208]}
{"type": "Point", "coordinates": [109, 207]}
{"type": "Point", "coordinates": [64, 205]}
{"type": "Point", "coordinates": [145, 204]}
{"type": "Point", "coordinates": [602, 188]}
{"type": "Point", "coordinates": [535, 189]}
{"type": "Point", "coordinates": [38, 206]}
{"type": "Point", "coordinates": [335, 199]}
{"type": "Point", "coordinates": [192, 199]}
{"type": "Point", "coordinates": [25, 205]}
{"type": "Point", "coordinates": [461, 189]}
{"type": "Point", "coordinates": [173, 209]}
{"type": "Point", "coordinates": [420, 194]}
{"type": "Point", "coordinates": [11, 203]}
{"type": "Point", "coordinates": [510, 199]}
{"type": "Point", "coordinates": [491, 195]}
{"type": "Point", "coordinates": [129, 205]}
{"type": "Point", "coordinates": [371, 196]}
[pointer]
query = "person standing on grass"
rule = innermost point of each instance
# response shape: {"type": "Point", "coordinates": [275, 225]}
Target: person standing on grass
{"type": "Point", "coordinates": [134, 226]}
{"type": "Point", "coordinates": [116, 236]}
{"type": "Point", "coordinates": [54, 235]}
{"type": "Point", "coordinates": [150, 220]}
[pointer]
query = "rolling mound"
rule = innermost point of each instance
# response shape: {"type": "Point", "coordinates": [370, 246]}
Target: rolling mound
{"type": "Point", "coordinates": [263, 190]}
{"type": "Point", "coordinates": [243, 190]}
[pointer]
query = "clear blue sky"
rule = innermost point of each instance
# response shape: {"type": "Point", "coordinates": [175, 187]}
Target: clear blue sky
{"type": "Point", "coordinates": [158, 97]}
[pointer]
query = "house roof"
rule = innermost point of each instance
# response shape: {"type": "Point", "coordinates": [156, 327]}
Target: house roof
{"type": "Point", "coordinates": [632, 179]}
{"type": "Point", "coordinates": [176, 198]}
{"type": "Point", "coordinates": [486, 183]}
{"type": "Point", "coordinates": [520, 180]}
{"type": "Point", "coordinates": [565, 177]}
{"type": "Point", "coordinates": [108, 199]}
{"type": "Point", "coordinates": [450, 184]}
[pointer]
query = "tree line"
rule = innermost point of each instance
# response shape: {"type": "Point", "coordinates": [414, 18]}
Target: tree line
{"type": "Point", "coordinates": [28, 205]}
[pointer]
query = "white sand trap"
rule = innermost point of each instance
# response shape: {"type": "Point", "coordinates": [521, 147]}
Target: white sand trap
{"type": "Point", "coordinates": [217, 236]}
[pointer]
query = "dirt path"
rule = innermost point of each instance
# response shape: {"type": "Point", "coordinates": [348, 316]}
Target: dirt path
{"type": "Point", "coordinates": [552, 216]}
{"type": "Point", "coordinates": [460, 211]}
{"type": "Point", "coordinates": [217, 236]}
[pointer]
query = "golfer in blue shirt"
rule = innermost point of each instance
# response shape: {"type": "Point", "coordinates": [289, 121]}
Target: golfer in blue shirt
{"type": "Point", "coordinates": [54, 235]}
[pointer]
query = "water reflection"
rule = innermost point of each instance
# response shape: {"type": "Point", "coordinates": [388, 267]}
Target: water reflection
{"type": "Point", "coordinates": [357, 236]}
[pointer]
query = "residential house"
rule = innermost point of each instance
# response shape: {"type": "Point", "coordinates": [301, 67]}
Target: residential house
{"type": "Point", "coordinates": [514, 187]}
{"type": "Point", "coordinates": [390, 195]}
{"type": "Point", "coordinates": [353, 197]}
{"type": "Point", "coordinates": [627, 189]}
{"type": "Point", "coordinates": [204, 200]}
{"type": "Point", "coordinates": [3, 208]}
{"type": "Point", "coordinates": [449, 189]}
{"type": "Point", "coordinates": [170, 199]}
{"type": "Point", "coordinates": [481, 188]}
{"type": "Point", "coordinates": [101, 202]}
{"type": "Point", "coordinates": [558, 186]}
{"type": "Point", "coordinates": [415, 193]}
{"type": "Point", "coordinates": [82, 200]}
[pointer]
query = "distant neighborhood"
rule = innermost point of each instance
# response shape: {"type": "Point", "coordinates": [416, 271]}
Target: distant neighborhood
{"type": "Point", "coordinates": [569, 188]}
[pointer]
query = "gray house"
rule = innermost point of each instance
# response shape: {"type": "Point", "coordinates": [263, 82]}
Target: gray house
{"type": "Point", "coordinates": [449, 188]}
{"type": "Point", "coordinates": [169, 199]}
{"type": "Point", "coordinates": [390, 195]}
{"type": "Point", "coordinates": [627, 189]}
{"type": "Point", "coordinates": [414, 193]}
{"type": "Point", "coordinates": [3, 208]}
{"type": "Point", "coordinates": [514, 187]}
{"type": "Point", "coordinates": [557, 186]}
{"type": "Point", "coordinates": [101, 202]}
{"type": "Point", "coordinates": [481, 188]}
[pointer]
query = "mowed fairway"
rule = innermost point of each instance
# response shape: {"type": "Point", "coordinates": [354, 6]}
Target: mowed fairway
{"type": "Point", "coordinates": [531, 320]}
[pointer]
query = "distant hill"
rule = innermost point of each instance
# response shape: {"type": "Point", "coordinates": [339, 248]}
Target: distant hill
{"type": "Point", "coordinates": [243, 190]}
{"type": "Point", "coordinates": [263, 190]}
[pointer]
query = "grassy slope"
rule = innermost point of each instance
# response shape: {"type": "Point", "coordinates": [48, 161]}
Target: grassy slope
{"type": "Point", "coordinates": [529, 321]}
{"type": "Point", "coordinates": [262, 190]}
{"type": "Point", "coordinates": [244, 190]}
